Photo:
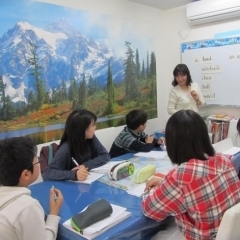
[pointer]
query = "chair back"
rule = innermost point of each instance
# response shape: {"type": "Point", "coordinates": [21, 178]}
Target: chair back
{"type": "Point", "coordinates": [229, 228]}
{"type": "Point", "coordinates": [106, 136]}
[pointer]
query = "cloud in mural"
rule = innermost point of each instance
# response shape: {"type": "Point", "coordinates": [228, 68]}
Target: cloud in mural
{"type": "Point", "coordinates": [115, 31]}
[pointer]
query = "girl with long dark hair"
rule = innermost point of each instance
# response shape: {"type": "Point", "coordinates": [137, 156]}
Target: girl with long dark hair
{"type": "Point", "coordinates": [79, 150]}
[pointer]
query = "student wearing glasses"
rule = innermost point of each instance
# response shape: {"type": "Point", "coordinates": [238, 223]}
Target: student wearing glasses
{"type": "Point", "coordinates": [21, 216]}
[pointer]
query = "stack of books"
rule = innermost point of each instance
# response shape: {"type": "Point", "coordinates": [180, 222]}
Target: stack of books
{"type": "Point", "coordinates": [219, 125]}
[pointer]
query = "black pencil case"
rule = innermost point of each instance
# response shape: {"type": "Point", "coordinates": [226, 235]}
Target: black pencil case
{"type": "Point", "coordinates": [94, 213]}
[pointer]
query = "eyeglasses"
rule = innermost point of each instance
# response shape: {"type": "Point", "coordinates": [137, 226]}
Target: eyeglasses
{"type": "Point", "coordinates": [39, 161]}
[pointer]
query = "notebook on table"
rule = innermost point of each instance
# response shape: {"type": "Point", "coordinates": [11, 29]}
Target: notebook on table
{"type": "Point", "coordinates": [118, 215]}
{"type": "Point", "coordinates": [92, 177]}
{"type": "Point", "coordinates": [152, 154]}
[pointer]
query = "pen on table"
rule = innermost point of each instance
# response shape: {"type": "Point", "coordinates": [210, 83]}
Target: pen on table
{"type": "Point", "coordinates": [55, 195]}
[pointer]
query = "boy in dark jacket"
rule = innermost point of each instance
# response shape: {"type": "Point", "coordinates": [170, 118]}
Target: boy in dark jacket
{"type": "Point", "coordinates": [133, 138]}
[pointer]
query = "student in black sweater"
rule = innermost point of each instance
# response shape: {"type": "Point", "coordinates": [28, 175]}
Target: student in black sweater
{"type": "Point", "coordinates": [133, 138]}
{"type": "Point", "coordinates": [79, 143]}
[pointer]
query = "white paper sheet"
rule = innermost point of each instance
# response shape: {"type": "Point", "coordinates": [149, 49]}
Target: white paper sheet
{"type": "Point", "coordinates": [137, 191]}
{"type": "Point", "coordinates": [152, 154]}
{"type": "Point", "coordinates": [105, 167]}
{"type": "Point", "coordinates": [232, 151]}
{"type": "Point", "coordinates": [90, 179]}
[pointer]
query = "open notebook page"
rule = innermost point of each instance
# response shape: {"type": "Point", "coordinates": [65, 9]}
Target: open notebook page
{"type": "Point", "coordinates": [232, 151]}
{"type": "Point", "coordinates": [152, 154]}
{"type": "Point", "coordinates": [104, 168]}
{"type": "Point", "coordinates": [90, 179]}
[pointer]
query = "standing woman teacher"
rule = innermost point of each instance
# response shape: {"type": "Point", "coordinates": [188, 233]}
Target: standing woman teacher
{"type": "Point", "coordinates": [185, 94]}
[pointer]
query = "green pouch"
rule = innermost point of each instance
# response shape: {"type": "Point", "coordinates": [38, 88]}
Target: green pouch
{"type": "Point", "coordinates": [94, 213]}
{"type": "Point", "coordinates": [142, 174]}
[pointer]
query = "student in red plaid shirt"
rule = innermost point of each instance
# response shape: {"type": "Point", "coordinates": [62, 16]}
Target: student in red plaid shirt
{"type": "Point", "coordinates": [201, 187]}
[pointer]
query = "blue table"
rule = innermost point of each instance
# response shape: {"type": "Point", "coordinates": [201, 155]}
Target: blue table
{"type": "Point", "coordinates": [236, 163]}
{"type": "Point", "coordinates": [77, 196]}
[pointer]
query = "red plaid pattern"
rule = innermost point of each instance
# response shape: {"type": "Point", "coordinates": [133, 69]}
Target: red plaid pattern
{"type": "Point", "coordinates": [197, 193]}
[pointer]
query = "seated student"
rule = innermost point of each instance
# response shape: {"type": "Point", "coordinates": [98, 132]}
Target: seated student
{"type": "Point", "coordinates": [238, 126]}
{"type": "Point", "coordinates": [79, 150]}
{"type": "Point", "coordinates": [238, 134]}
{"type": "Point", "coordinates": [21, 216]}
{"type": "Point", "coordinates": [133, 138]}
{"type": "Point", "coordinates": [201, 187]}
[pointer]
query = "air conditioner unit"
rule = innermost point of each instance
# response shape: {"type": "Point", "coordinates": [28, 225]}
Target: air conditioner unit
{"type": "Point", "coordinates": [206, 11]}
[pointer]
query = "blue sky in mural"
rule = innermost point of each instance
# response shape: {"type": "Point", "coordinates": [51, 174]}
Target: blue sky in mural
{"type": "Point", "coordinates": [106, 29]}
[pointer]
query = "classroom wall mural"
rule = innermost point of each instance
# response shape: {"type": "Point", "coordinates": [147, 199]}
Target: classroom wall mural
{"type": "Point", "coordinates": [54, 59]}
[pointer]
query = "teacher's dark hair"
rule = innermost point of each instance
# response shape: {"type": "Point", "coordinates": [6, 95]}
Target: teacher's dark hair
{"type": "Point", "coordinates": [181, 69]}
{"type": "Point", "coordinates": [187, 137]}
{"type": "Point", "coordinates": [74, 133]}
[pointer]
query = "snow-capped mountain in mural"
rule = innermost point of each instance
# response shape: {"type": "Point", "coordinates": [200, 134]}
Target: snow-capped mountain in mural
{"type": "Point", "coordinates": [63, 52]}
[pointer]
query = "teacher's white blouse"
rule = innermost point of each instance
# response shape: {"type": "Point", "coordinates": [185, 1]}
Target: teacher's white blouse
{"type": "Point", "coordinates": [180, 99]}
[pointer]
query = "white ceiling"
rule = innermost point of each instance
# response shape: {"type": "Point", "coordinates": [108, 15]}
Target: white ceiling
{"type": "Point", "coordinates": [163, 4]}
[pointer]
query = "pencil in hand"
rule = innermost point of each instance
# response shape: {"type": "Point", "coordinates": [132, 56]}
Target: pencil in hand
{"type": "Point", "coordinates": [55, 195]}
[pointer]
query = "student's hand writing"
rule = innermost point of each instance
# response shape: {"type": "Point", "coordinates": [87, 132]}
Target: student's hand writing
{"type": "Point", "coordinates": [56, 200]}
{"type": "Point", "coordinates": [149, 139]}
{"type": "Point", "coordinates": [82, 173]}
{"type": "Point", "coordinates": [153, 182]}
{"type": "Point", "coordinates": [161, 141]}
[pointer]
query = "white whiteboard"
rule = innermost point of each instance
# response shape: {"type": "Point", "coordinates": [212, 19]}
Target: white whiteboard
{"type": "Point", "coordinates": [215, 65]}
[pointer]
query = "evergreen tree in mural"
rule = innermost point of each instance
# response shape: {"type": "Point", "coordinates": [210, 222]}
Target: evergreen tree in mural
{"type": "Point", "coordinates": [91, 86]}
{"type": "Point", "coordinates": [82, 92]}
{"type": "Point", "coordinates": [147, 70]}
{"type": "Point", "coordinates": [153, 65]}
{"type": "Point", "coordinates": [2, 90]}
{"type": "Point", "coordinates": [131, 89]}
{"type": "Point", "coordinates": [110, 89]}
{"type": "Point", "coordinates": [48, 98]}
{"type": "Point", "coordinates": [73, 93]}
{"type": "Point", "coordinates": [153, 75]}
{"type": "Point", "coordinates": [31, 101]}
{"type": "Point", "coordinates": [2, 99]}
{"type": "Point", "coordinates": [63, 91]}
{"type": "Point", "coordinates": [55, 96]}
{"type": "Point", "coordinates": [9, 110]}
{"type": "Point", "coordinates": [35, 72]}
{"type": "Point", "coordinates": [143, 70]}
{"type": "Point", "coordinates": [138, 68]}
